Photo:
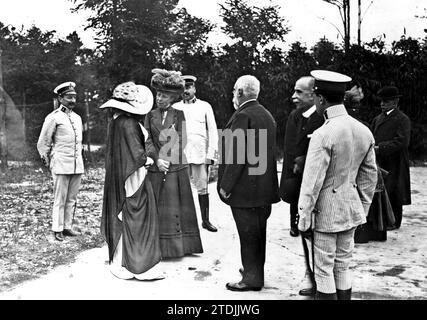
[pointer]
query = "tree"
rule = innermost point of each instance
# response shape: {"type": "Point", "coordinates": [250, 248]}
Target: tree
{"type": "Point", "coordinates": [135, 36]}
{"type": "Point", "coordinates": [344, 9]}
{"type": "Point", "coordinates": [251, 26]}
{"type": "Point", "coordinates": [35, 62]}
{"type": "Point", "coordinates": [325, 54]}
{"type": "Point", "coordinates": [189, 41]}
{"type": "Point", "coordinates": [256, 33]}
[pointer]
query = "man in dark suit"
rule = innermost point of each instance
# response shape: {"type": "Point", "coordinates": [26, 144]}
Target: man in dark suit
{"type": "Point", "coordinates": [247, 177]}
{"type": "Point", "coordinates": [392, 132]}
{"type": "Point", "coordinates": [302, 121]}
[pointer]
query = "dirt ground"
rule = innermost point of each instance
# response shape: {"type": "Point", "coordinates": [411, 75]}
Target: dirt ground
{"type": "Point", "coordinates": [391, 270]}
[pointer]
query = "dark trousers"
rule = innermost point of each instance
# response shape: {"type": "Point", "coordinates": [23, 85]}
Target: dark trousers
{"type": "Point", "coordinates": [251, 225]}
{"type": "Point", "coordinates": [293, 210]}
{"type": "Point", "coordinates": [397, 209]}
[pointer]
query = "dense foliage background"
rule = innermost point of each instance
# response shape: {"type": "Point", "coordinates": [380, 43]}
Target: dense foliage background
{"type": "Point", "coordinates": [135, 36]}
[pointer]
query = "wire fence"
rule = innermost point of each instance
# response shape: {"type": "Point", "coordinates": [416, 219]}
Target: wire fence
{"type": "Point", "coordinates": [24, 123]}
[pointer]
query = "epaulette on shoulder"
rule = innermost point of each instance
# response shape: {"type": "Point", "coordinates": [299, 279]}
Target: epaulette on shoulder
{"type": "Point", "coordinates": [54, 112]}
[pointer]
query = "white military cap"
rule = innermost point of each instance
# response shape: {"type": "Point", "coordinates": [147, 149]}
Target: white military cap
{"type": "Point", "coordinates": [66, 87]}
{"type": "Point", "coordinates": [189, 78]}
{"type": "Point", "coordinates": [329, 81]}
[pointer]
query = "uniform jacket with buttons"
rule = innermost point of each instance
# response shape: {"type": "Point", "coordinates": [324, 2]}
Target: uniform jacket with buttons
{"type": "Point", "coordinates": [340, 174]}
{"type": "Point", "coordinates": [60, 142]}
{"type": "Point", "coordinates": [202, 133]}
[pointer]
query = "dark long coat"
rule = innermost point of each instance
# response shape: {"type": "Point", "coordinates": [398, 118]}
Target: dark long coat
{"type": "Point", "coordinates": [392, 134]}
{"type": "Point", "coordinates": [139, 228]}
{"type": "Point", "coordinates": [249, 190]}
{"type": "Point", "coordinates": [296, 143]}
{"type": "Point", "coordinates": [179, 231]}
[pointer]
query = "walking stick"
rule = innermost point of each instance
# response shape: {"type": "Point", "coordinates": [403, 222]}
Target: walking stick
{"type": "Point", "coordinates": [74, 212]}
{"type": "Point", "coordinates": [309, 234]}
{"type": "Point", "coordinates": [310, 268]}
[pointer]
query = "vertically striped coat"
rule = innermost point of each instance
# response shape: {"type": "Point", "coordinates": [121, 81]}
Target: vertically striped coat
{"type": "Point", "coordinates": [340, 174]}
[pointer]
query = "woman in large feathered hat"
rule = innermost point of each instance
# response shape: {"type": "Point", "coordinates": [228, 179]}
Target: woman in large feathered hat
{"type": "Point", "coordinates": [179, 232]}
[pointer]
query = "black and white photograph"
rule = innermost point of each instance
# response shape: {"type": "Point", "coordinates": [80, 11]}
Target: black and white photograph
{"type": "Point", "coordinates": [215, 155]}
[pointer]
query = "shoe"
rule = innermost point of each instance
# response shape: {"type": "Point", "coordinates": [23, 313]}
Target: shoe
{"type": "Point", "coordinates": [69, 233]}
{"type": "Point", "coordinates": [242, 271]}
{"type": "Point", "coordinates": [240, 286]}
{"type": "Point", "coordinates": [294, 232]}
{"type": "Point", "coordinates": [208, 226]}
{"type": "Point", "coordinates": [59, 236]}
{"type": "Point", "coordinates": [308, 292]}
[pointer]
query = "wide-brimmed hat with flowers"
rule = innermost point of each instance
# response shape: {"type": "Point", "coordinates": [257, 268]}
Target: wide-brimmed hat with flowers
{"type": "Point", "coordinates": [132, 98]}
{"type": "Point", "coordinates": [169, 81]}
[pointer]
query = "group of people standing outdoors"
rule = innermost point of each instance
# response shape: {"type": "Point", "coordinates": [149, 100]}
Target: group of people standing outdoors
{"type": "Point", "coordinates": [333, 168]}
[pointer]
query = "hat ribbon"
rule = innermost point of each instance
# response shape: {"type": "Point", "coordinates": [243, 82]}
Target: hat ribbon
{"type": "Point", "coordinates": [121, 100]}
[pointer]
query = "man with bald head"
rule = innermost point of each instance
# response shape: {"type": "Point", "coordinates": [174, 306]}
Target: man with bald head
{"type": "Point", "coordinates": [302, 121]}
{"type": "Point", "coordinates": [247, 178]}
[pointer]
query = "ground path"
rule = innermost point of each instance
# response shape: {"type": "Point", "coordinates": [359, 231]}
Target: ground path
{"type": "Point", "coordinates": [395, 269]}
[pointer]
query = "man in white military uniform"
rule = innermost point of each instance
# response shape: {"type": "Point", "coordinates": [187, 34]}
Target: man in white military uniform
{"type": "Point", "coordinates": [338, 184]}
{"type": "Point", "coordinates": [60, 147]}
{"type": "Point", "coordinates": [202, 143]}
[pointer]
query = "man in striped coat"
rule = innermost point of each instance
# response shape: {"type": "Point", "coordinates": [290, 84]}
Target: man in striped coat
{"type": "Point", "coordinates": [338, 185]}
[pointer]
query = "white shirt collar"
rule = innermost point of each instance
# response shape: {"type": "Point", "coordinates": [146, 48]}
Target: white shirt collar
{"type": "Point", "coordinates": [190, 101]}
{"type": "Point", "coordinates": [67, 111]}
{"type": "Point", "coordinates": [309, 112]}
{"type": "Point", "coordinates": [390, 111]}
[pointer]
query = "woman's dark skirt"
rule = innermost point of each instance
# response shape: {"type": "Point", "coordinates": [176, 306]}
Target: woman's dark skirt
{"type": "Point", "coordinates": [380, 217]}
{"type": "Point", "coordinates": [179, 231]}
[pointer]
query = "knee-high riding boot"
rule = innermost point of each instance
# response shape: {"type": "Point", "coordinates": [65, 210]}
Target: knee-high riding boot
{"type": "Point", "coordinates": [344, 294]}
{"type": "Point", "coordinates": [325, 296]}
{"type": "Point", "coordinates": [204, 209]}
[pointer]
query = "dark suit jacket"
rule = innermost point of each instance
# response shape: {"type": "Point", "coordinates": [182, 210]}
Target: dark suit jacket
{"type": "Point", "coordinates": [392, 134]}
{"type": "Point", "coordinates": [249, 190]}
{"type": "Point", "coordinates": [296, 142]}
{"type": "Point", "coordinates": [166, 141]}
